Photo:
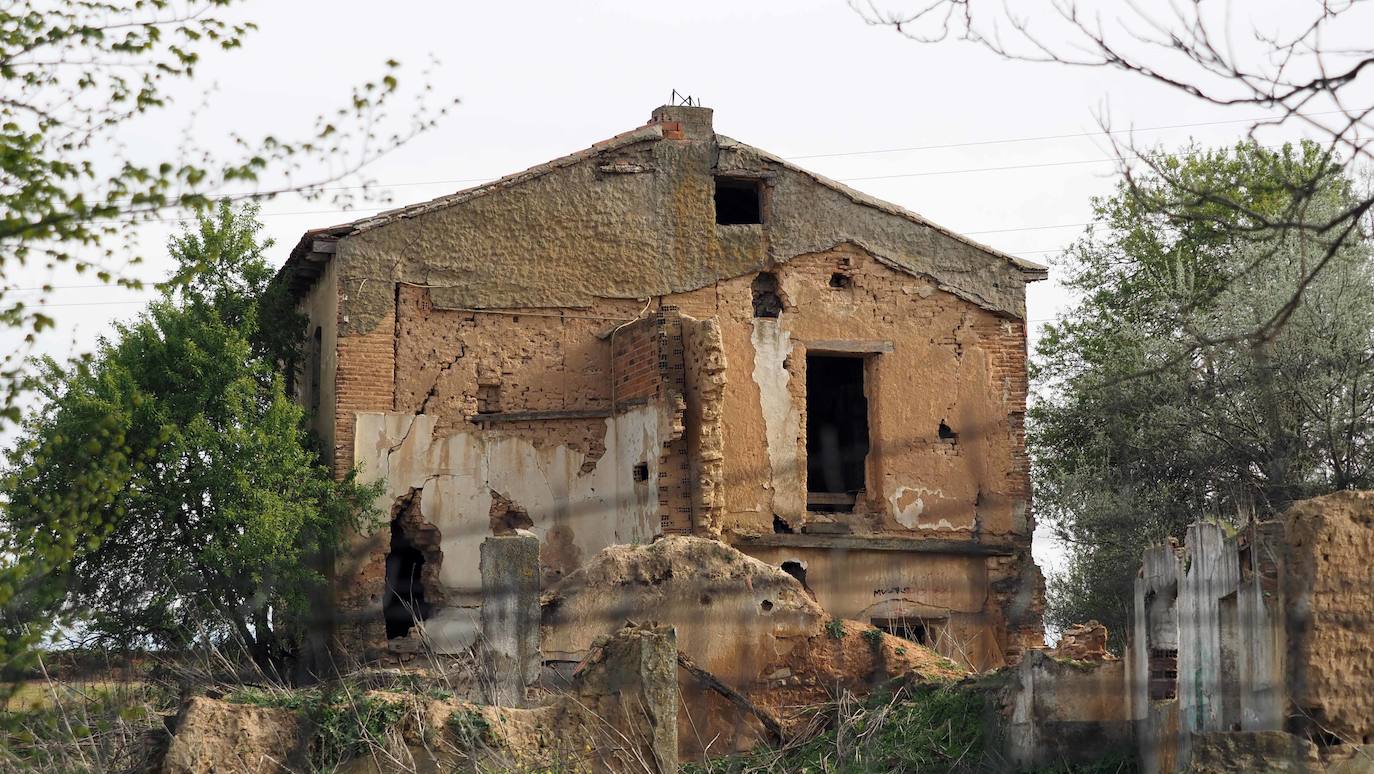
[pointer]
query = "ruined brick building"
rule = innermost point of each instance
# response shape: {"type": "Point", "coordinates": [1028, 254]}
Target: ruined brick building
{"type": "Point", "coordinates": [673, 332]}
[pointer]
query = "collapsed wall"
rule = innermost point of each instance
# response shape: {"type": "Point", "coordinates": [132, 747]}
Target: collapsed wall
{"type": "Point", "coordinates": [1258, 632]}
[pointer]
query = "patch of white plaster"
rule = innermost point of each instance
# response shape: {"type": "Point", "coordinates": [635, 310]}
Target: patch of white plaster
{"type": "Point", "coordinates": [907, 506]}
{"type": "Point", "coordinates": [781, 417]}
{"type": "Point", "coordinates": [457, 474]}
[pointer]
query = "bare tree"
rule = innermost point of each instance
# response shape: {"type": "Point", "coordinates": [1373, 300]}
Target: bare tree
{"type": "Point", "coordinates": [1317, 76]}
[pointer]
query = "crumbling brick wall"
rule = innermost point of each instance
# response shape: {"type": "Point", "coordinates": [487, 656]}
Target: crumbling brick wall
{"type": "Point", "coordinates": [1328, 582]}
{"type": "Point", "coordinates": [648, 366]}
{"type": "Point", "coordinates": [704, 358]}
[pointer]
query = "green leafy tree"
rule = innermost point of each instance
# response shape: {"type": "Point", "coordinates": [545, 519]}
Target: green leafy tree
{"type": "Point", "coordinates": [76, 79]}
{"type": "Point", "coordinates": [1168, 394]}
{"type": "Point", "coordinates": [210, 510]}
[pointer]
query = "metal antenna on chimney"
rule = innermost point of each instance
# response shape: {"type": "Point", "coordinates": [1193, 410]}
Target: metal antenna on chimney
{"type": "Point", "coordinates": [683, 100]}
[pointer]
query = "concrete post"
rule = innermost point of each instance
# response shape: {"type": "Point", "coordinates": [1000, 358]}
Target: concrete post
{"type": "Point", "coordinates": [629, 682]}
{"type": "Point", "coordinates": [510, 616]}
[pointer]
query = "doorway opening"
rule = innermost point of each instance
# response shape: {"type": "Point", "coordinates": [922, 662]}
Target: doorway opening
{"type": "Point", "coordinates": [836, 432]}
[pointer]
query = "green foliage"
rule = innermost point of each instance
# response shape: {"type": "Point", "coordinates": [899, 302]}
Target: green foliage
{"type": "Point", "coordinates": [835, 628]}
{"type": "Point", "coordinates": [469, 728]}
{"type": "Point", "coordinates": [76, 75]}
{"type": "Point", "coordinates": [930, 728]}
{"type": "Point", "coordinates": [873, 636]}
{"type": "Point", "coordinates": [202, 510]}
{"type": "Point", "coordinates": [1207, 370]}
{"type": "Point", "coordinates": [347, 724]}
{"type": "Point", "coordinates": [1123, 762]}
{"type": "Point", "coordinates": [82, 727]}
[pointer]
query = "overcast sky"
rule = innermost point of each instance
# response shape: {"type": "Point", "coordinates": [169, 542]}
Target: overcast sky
{"type": "Point", "coordinates": [803, 78]}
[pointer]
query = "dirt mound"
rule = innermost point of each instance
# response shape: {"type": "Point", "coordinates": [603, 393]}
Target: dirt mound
{"type": "Point", "coordinates": [216, 736]}
{"type": "Point", "coordinates": [734, 615]}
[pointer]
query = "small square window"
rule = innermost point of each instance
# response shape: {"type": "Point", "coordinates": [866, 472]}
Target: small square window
{"type": "Point", "coordinates": [641, 472]}
{"type": "Point", "coordinates": [739, 200]}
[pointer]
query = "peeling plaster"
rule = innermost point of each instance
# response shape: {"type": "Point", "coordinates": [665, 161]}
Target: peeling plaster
{"type": "Point", "coordinates": [781, 418]}
{"type": "Point", "coordinates": [573, 515]}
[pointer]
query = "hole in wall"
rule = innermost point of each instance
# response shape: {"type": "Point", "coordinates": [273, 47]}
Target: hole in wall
{"type": "Point", "coordinates": [781, 527]}
{"type": "Point", "coordinates": [641, 472]}
{"type": "Point", "coordinates": [767, 296]}
{"type": "Point", "coordinates": [840, 280]}
{"type": "Point", "coordinates": [488, 398]}
{"type": "Point", "coordinates": [797, 570]}
{"type": "Point", "coordinates": [505, 516]}
{"type": "Point", "coordinates": [412, 567]}
{"type": "Point", "coordinates": [921, 631]}
{"type": "Point", "coordinates": [739, 200]}
{"type": "Point", "coordinates": [946, 434]}
{"type": "Point", "coordinates": [766, 605]}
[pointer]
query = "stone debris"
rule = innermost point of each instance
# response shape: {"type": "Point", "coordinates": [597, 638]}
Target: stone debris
{"type": "Point", "coordinates": [1083, 642]}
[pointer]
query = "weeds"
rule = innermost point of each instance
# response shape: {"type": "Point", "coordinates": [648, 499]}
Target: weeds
{"type": "Point", "coordinates": [835, 628]}
{"type": "Point", "coordinates": [347, 724]}
{"type": "Point", "coordinates": [926, 728]}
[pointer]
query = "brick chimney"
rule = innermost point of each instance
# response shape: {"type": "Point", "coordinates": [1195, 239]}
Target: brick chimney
{"type": "Point", "coordinates": [683, 122]}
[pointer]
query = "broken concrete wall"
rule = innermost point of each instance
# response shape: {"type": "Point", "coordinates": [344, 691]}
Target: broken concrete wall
{"type": "Point", "coordinates": [751, 626]}
{"type": "Point", "coordinates": [1207, 648]}
{"type": "Point", "coordinates": [1059, 711]}
{"type": "Point", "coordinates": [461, 477]}
{"type": "Point", "coordinates": [943, 594]}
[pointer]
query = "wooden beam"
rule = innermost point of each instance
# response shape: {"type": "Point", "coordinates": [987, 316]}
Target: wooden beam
{"type": "Point", "coordinates": [329, 246]}
{"type": "Point", "coordinates": [540, 416]}
{"type": "Point", "coordinates": [829, 498]}
{"type": "Point", "coordinates": [875, 543]}
{"type": "Point", "coordinates": [855, 346]}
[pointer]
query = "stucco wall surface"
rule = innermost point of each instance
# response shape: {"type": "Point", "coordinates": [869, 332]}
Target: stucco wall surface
{"type": "Point", "coordinates": [633, 218]}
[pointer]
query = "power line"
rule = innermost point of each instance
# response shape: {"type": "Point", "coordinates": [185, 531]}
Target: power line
{"type": "Point", "coordinates": [1043, 137]}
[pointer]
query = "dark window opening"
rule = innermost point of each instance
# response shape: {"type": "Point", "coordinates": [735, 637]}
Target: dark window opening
{"type": "Point", "coordinates": [405, 592]}
{"type": "Point", "coordinates": [836, 432]}
{"type": "Point", "coordinates": [780, 526]}
{"type": "Point", "coordinates": [839, 280]}
{"type": "Point", "coordinates": [766, 605]}
{"type": "Point", "coordinates": [947, 434]}
{"type": "Point", "coordinates": [918, 630]}
{"type": "Point", "coordinates": [738, 201]}
{"type": "Point", "coordinates": [316, 355]}
{"type": "Point", "coordinates": [641, 472]}
{"type": "Point", "coordinates": [767, 298]}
